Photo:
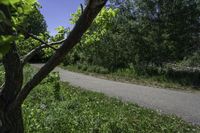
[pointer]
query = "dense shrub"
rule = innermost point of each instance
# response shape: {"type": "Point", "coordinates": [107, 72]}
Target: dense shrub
{"type": "Point", "coordinates": [141, 33]}
{"type": "Point", "coordinates": [192, 61]}
{"type": "Point", "coordinates": [168, 76]}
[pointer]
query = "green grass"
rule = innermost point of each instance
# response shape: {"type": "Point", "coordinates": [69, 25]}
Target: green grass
{"type": "Point", "coordinates": [130, 76]}
{"type": "Point", "coordinates": [80, 111]}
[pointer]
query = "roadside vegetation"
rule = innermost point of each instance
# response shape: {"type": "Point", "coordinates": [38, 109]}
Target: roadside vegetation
{"type": "Point", "coordinates": [154, 43]}
{"type": "Point", "coordinates": [59, 108]}
{"type": "Point", "coordinates": [154, 77]}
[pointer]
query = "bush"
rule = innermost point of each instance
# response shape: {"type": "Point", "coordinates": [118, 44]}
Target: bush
{"type": "Point", "coordinates": [84, 67]}
{"type": "Point", "coordinates": [91, 68]}
{"type": "Point", "coordinates": [103, 70]}
{"type": "Point", "coordinates": [192, 61]}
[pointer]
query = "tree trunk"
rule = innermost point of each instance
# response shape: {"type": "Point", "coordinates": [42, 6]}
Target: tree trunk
{"type": "Point", "coordinates": [12, 121]}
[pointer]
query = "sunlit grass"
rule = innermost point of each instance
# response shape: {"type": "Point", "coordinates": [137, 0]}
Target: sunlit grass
{"type": "Point", "coordinates": [80, 111]}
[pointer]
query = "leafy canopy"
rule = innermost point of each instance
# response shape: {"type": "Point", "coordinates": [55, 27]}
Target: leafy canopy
{"type": "Point", "coordinates": [102, 21]}
{"type": "Point", "coordinates": [13, 14]}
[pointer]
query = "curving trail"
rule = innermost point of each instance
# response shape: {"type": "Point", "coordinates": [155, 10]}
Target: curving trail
{"type": "Point", "coordinates": [183, 104]}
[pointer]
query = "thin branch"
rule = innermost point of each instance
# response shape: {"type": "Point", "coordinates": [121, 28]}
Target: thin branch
{"type": "Point", "coordinates": [33, 52]}
{"type": "Point", "coordinates": [83, 23]}
{"type": "Point", "coordinates": [2, 86]}
{"type": "Point", "coordinates": [40, 40]}
{"type": "Point", "coordinates": [35, 37]}
{"type": "Point", "coordinates": [81, 8]}
{"type": "Point", "coordinates": [28, 56]}
{"type": "Point", "coordinates": [56, 43]}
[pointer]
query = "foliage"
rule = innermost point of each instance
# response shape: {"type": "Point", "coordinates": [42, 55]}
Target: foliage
{"type": "Point", "coordinates": [4, 48]}
{"type": "Point", "coordinates": [35, 21]}
{"type": "Point", "coordinates": [192, 61]}
{"type": "Point", "coordinates": [142, 33]}
{"type": "Point", "coordinates": [54, 78]}
{"type": "Point", "coordinates": [169, 77]}
{"type": "Point", "coordinates": [140, 40]}
{"type": "Point", "coordinates": [87, 46]}
{"type": "Point", "coordinates": [26, 45]}
{"type": "Point", "coordinates": [12, 14]}
{"type": "Point", "coordinates": [35, 24]}
{"type": "Point", "coordinates": [166, 29]}
{"type": "Point", "coordinates": [87, 68]}
{"type": "Point", "coordinates": [84, 111]}
{"type": "Point", "coordinates": [25, 18]}
{"type": "Point", "coordinates": [62, 33]}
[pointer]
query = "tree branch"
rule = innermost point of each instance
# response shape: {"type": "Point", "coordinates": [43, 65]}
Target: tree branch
{"type": "Point", "coordinates": [81, 8]}
{"type": "Point", "coordinates": [83, 23]}
{"type": "Point", "coordinates": [33, 52]}
{"type": "Point", "coordinates": [2, 86]}
{"type": "Point", "coordinates": [58, 42]}
{"type": "Point", "coordinates": [35, 37]}
{"type": "Point", "coordinates": [28, 56]}
{"type": "Point", "coordinates": [40, 40]}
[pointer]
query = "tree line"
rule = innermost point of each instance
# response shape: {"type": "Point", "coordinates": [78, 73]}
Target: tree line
{"type": "Point", "coordinates": [126, 33]}
{"type": "Point", "coordinates": [140, 33]}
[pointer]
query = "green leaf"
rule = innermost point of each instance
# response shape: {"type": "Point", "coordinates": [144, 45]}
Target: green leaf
{"type": "Point", "coordinates": [4, 49]}
{"type": "Point", "coordinates": [2, 16]}
{"type": "Point", "coordinates": [11, 2]}
{"type": "Point", "coordinates": [6, 39]}
{"type": "Point", "coordinates": [5, 42]}
{"type": "Point", "coordinates": [60, 29]}
{"type": "Point", "coordinates": [20, 10]}
{"type": "Point", "coordinates": [31, 2]}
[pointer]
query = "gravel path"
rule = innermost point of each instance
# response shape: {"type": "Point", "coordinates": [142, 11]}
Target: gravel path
{"type": "Point", "coordinates": [183, 104]}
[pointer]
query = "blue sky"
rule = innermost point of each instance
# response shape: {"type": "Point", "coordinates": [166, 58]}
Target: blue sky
{"type": "Point", "coordinates": [57, 12]}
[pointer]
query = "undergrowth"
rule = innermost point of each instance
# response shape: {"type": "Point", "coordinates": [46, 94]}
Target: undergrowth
{"type": "Point", "coordinates": [150, 77]}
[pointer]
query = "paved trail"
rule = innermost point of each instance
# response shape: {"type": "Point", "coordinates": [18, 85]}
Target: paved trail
{"type": "Point", "coordinates": [183, 104]}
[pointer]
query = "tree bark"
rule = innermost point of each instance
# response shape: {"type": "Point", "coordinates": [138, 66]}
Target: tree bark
{"type": "Point", "coordinates": [11, 121]}
{"type": "Point", "coordinates": [13, 75]}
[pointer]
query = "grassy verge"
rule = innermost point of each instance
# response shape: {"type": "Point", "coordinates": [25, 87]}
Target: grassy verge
{"type": "Point", "coordinates": [81, 111]}
{"type": "Point", "coordinates": [128, 75]}
{"type": "Point", "coordinates": [61, 108]}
